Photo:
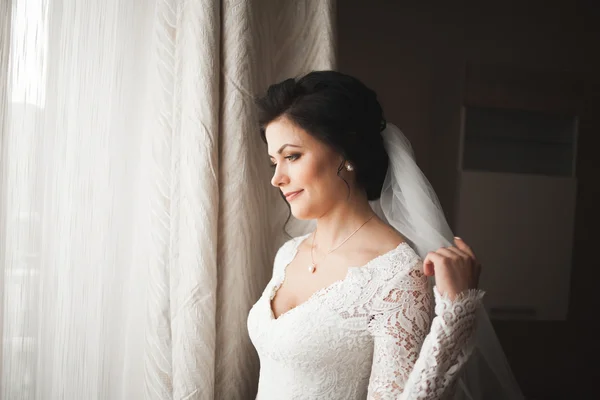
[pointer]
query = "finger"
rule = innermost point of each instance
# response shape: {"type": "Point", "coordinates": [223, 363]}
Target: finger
{"type": "Point", "coordinates": [463, 246]}
{"type": "Point", "coordinates": [469, 252]}
{"type": "Point", "coordinates": [436, 259]}
{"type": "Point", "coordinates": [459, 253]}
{"type": "Point", "coordinates": [463, 255]}
{"type": "Point", "coordinates": [447, 253]}
{"type": "Point", "coordinates": [428, 268]}
{"type": "Point", "coordinates": [428, 265]}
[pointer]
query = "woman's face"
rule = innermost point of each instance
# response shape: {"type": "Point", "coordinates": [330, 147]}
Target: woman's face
{"type": "Point", "coordinates": [305, 170]}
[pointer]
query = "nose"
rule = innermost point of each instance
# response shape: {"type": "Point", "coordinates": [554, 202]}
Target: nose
{"type": "Point", "coordinates": [279, 177]}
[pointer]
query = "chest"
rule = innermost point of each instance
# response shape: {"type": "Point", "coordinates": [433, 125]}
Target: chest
{"type": "Point", "coordinates": [319, 330]}
{"type": "Point", "coordinates": [299, 284]}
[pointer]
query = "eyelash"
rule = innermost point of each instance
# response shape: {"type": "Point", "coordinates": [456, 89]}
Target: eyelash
{"type": "Point", "coordinates": [291, 157]}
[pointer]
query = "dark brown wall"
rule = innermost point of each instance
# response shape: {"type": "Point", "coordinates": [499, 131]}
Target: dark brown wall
{"type": "Point", "coordinates": [415, 55]}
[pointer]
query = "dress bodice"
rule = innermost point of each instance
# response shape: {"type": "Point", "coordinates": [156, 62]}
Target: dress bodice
{"type": "Point", "coordinates": [362, 336]}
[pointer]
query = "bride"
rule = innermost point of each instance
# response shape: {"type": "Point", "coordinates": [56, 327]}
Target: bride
{"type": "Point", "coordinates": [350, 312]}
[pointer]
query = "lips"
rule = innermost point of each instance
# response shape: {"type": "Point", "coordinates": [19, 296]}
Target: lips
{"type": "Point", "coordinates": [292, 195]}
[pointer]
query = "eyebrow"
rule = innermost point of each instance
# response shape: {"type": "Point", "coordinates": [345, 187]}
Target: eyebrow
{"type": "Point", "coordinates": [284, 146]}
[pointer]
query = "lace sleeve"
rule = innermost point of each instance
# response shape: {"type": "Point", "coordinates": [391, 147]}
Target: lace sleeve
{"type": "Point", "coordinates": [412, 358]}
{"type": "Point", "coordinates": [446, 348]}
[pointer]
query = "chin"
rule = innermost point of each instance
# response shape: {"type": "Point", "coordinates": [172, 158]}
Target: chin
{"type": "Point", "coordinates": [302, 216]}
{"type": "Point", "coordinates": [302, 213]}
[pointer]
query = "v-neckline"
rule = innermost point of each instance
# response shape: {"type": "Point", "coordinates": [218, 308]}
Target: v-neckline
{"type": "Point", "coordinates": [326, 289]}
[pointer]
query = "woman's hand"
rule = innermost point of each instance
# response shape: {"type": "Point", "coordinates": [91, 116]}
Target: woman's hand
{"type": "Point", "coordinates": [455, 268]}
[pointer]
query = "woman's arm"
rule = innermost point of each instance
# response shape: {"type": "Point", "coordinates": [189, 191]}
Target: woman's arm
{"type": "Point", "coordinates": [446, 348]}
{"type": "Point", "coordinates": [412, 358]}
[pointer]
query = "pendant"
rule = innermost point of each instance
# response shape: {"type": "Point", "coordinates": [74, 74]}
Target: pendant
{"type": "Point", "coordinates": [311, 268]}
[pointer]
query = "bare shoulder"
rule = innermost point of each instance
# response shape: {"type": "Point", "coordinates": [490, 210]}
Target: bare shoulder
{"type": "Point", "coordinates": [382, 237]}
{"type": "Point", "coordinates": [379, 238]}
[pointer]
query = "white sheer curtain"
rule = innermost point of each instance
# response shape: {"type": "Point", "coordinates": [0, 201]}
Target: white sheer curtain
{"type": "Point", "coordinates": [136, 228]}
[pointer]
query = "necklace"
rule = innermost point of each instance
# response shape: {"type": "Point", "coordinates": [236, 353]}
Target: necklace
{"type": "Point", "coordinates": [313, 267]}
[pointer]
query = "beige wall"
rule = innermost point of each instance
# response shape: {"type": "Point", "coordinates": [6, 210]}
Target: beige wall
{"type": "Point", "coordinates": [414, 55]}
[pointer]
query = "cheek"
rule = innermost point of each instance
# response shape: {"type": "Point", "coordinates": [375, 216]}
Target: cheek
{"type": "Point", "coordinates": [309, 176]}
{"type": "Point", "coordinates": [323, 188]}
{"type": "Point", "coordinates": [321, 181]}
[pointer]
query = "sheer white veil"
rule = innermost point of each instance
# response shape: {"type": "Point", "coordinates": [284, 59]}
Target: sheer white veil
{"type": "Point", "coordinates": [409, 204]}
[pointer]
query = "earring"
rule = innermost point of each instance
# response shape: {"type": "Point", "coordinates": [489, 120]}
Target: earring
{"type": "Point", "coordinates": [349, 167]}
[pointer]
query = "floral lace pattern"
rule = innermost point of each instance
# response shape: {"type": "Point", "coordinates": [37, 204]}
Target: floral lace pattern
{"type": "Point", "coordinates": [371, 335]}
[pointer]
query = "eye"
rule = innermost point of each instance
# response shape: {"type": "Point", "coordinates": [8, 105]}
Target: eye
{"type": "Point", "coordinates": [293, 157]}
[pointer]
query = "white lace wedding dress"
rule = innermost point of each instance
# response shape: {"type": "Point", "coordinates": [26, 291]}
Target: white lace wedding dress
{"type": "Point", "coordinates": [371, 335]}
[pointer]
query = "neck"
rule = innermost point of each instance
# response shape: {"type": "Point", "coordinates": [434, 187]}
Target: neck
{"type": "Point", "coordinates": [341, 221]}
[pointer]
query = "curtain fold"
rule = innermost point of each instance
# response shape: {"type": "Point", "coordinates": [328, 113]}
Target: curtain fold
{"type": "Point", "coordinates": [137, 225]}
{"type": "Point", "coordinates": [72, 282]}
{"type": "Point", "coordinates": [5, 34]}
{"type": "Point", "coordinates": [180, 354]}
{"type": "Point", "coordinates": [264, 41]}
